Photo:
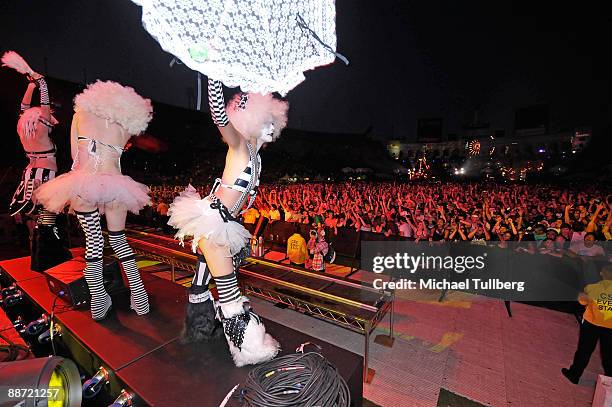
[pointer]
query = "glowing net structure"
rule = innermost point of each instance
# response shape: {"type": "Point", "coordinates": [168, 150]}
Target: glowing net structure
{"type": "Point", "coordinates": [259, 45]}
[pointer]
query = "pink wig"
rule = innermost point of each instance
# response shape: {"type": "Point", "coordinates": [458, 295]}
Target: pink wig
{"type": "Point", "coordinates": [260, 112]}
{"type": "Point", "coordinates": [28, 122]}
{"type": "Point", "coordinates": [116, 103]}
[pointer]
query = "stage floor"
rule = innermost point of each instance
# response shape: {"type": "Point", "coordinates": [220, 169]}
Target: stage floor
{"type": "Point", "coordinates": [466, 345]}
{"type": "Point", "coordinates": [469, 346]}
{"type": "Point", "coordinates": [145, 354]}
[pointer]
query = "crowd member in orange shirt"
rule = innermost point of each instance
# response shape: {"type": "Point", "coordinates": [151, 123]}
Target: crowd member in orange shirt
{"type": "Point", "coordinates": [596, 326]}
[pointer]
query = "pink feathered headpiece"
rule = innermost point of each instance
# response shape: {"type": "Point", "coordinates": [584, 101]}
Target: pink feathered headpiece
{"type": "Point", "coordinates": [261, 111]}
{"type": "Point", "coordinates": [119, 104]}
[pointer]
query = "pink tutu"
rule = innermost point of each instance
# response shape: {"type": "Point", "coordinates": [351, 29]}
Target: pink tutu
{"type": "Point", "coordinates": [194, 217]}
{"type": "Point", "coordinates": [98, 189]}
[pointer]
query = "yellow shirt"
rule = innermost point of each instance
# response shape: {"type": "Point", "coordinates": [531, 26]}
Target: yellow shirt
{"type": "Point", "coordinates": [598, 304]}
{"type": "Point", "coordinates": [251, 215]}
{"type": "Point", "coordinates": [296, 249]}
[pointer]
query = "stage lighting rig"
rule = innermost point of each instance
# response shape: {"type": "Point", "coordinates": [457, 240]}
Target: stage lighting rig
{"type": "Point", "coordinates": [92, 387]}
{"type": "Point", "coordinates": [10, 290]}
{"type": "Point", "coordinates": [37, 326]}
{"type": "Point", "coordinates": [124, 399]}
{"type": "Point", "coordinates": [19, 325]}
{"type": "Point", "coordinates": [52, 381]}
{"type": "Point", "coordinates": [12, 299]}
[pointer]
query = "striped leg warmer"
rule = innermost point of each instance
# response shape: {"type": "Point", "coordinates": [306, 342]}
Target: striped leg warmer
{"type": "Point", "coordinates": [227, 287]}
{"type": "Point", "coordinates": [94, 245]}
{"type": "Point", "coordinates": [140, 299]}
{"type": "Point", "coordinates": [198, 292]}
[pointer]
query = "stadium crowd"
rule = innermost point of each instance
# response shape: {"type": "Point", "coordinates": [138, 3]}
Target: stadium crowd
{"type": "Point", "coordinates": [434, 211]}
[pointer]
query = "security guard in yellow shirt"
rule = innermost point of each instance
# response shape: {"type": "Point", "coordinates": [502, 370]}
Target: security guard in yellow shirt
{"type": "Point", "coordinates": [296, 248]}
{"type": "Point", "coordinates": [596, 326]}
{"type": "Point", "coordinates": [251, 215]}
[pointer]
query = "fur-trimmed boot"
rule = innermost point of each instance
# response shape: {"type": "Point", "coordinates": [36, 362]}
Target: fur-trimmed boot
{"type": "Point", "coordinates": [246, 335]}
{"type": "Point", "coordinates": [201, 323]}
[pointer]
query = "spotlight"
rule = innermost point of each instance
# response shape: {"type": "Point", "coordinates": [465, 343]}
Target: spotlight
{"type": "Point", "coordinates": [92, 387]}
{"type": "Point", "coordinates": [13, 299]}
{"type": "Point", "coordinates": [10, 290]}
{"type": "Point", "coordinates": [36, 327]}
{"type": "Point", "coordinates": [124, 399]}
{"type": "Point", "coordinates": [19, 325]}
{"type": "Point", "coordinates": [54, 381]}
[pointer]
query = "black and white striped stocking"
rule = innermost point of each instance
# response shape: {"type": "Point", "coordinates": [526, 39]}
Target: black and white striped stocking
{"type": "Point", "coordinates": [94, 246]}
{"type": "Point", "coordinates": [227, 287]}
{"type": "Point", "coordinates": [198, 292]}
{"type": "Point", "coordinates": [140, 299]}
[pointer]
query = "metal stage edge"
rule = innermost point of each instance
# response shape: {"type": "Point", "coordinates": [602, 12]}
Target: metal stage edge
{"type": "Point", "coordinates": [183, 259]}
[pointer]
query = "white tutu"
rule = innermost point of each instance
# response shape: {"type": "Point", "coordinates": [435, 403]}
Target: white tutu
{"type": "Point", "coordinates": [98, 189]}
{"type": "Point", "coordinates": [193, 216]}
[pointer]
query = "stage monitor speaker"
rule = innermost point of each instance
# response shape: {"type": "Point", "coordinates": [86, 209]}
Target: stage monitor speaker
{"type": "Point", "coordinates": [68, 277]}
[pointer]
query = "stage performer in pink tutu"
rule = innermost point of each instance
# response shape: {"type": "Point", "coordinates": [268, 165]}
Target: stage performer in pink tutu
{"type": "Point", "coordinates": [106, 115]}
{"type": "Point", "coordinates": [250, 121]}
{"type": "Point", "coordinates": [34, 128]}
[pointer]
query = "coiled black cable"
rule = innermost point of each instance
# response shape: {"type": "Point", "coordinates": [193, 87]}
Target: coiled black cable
{"type": "Point", "coordinates": [302, 379]}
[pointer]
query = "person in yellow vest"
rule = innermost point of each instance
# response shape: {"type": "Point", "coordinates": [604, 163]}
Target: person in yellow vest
{"type": "Point", "coordinates": [251, 215]}
{"type": "Point", "coordinates": [296, 248]}
{"type": "Point", "coordinates": [596, 326]}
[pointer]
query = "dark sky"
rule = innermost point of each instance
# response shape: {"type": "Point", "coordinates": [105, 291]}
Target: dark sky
{"type": "Point", "coordinates": [409, 59]}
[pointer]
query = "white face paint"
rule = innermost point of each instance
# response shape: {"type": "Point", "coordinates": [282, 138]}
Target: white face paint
{"type": "Point", "coordinates": [267, 132]}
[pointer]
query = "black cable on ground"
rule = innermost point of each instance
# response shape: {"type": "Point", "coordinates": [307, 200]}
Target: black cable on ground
{"type": "Point", "coordinates": [302, 379]}
{"type": "Point", "coordinates": [13, 350]}
{"type": "Point", "coordinates": [136, 359]}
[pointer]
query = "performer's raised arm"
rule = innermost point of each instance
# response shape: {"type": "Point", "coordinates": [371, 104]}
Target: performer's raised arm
{"type": "Point", "coordinates": [33, 128]}
{"type": "Point", "coordinates": [45, 109]}
{"type": "Point", "coordinates": [27, 97]}
{"type": "Point", "coordinates": [216, 104]}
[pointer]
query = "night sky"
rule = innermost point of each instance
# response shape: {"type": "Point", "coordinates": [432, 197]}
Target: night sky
{"type": "Point", "coordinates": [409, 59]}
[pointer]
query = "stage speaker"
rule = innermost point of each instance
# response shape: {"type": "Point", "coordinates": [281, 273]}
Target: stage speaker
{"type": "Point", "coordinates": [68, 277]}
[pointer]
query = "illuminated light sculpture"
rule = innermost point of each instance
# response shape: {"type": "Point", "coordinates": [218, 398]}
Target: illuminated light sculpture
{"type": "Point", "coordinates": [259, 46]}
{"type": "Point", "coordinates": [473, 147]}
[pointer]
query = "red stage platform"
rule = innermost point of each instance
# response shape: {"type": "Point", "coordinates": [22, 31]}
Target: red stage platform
{"type": "Point", "coordinates": [144, 352]}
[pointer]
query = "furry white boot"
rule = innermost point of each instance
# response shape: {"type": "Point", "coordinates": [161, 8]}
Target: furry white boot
{"type": "Point", "coordinates": [246, 335]}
